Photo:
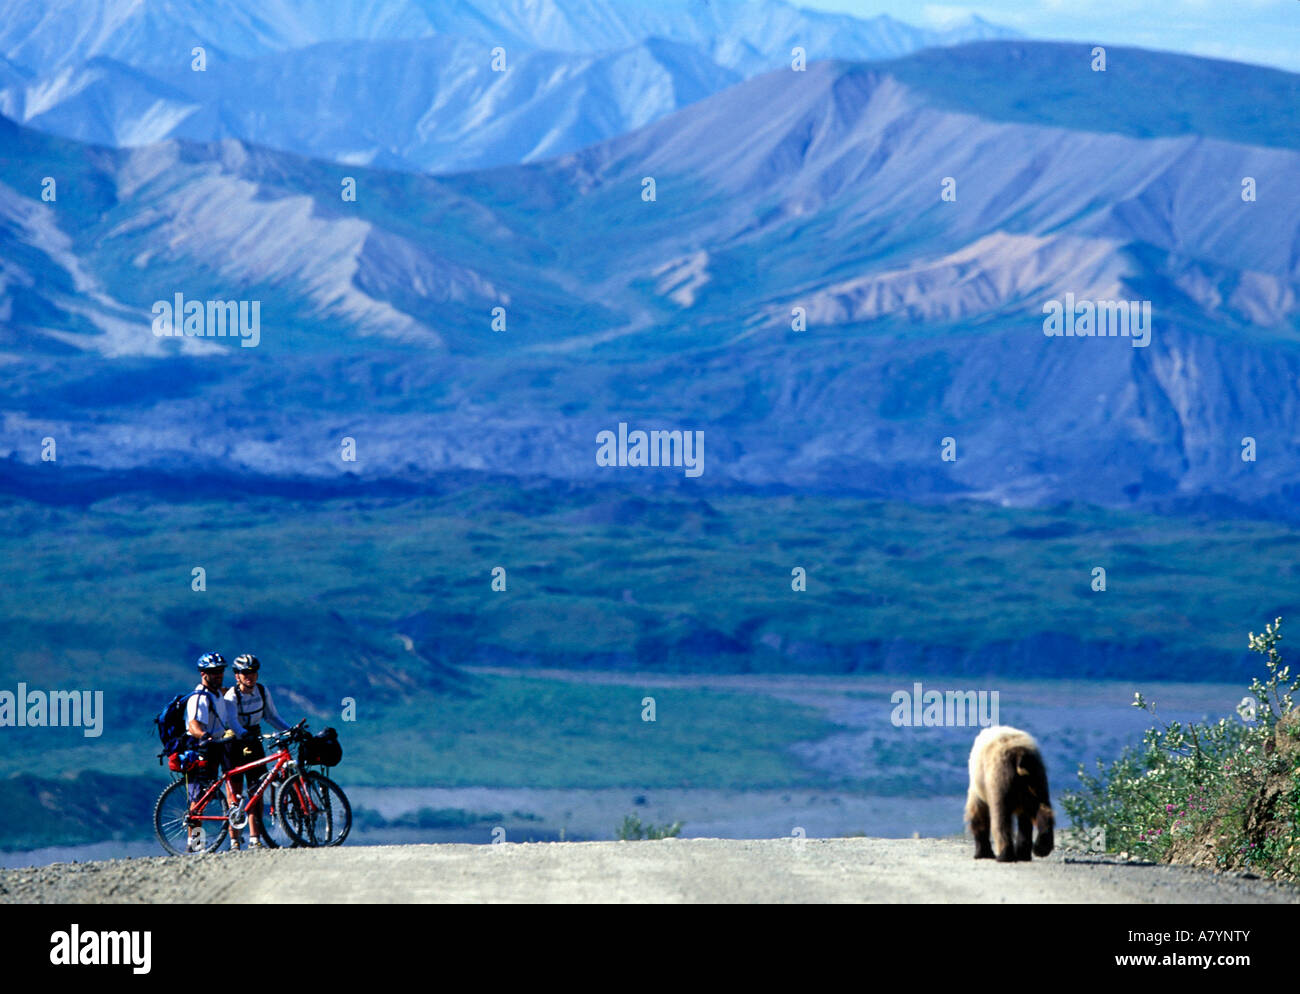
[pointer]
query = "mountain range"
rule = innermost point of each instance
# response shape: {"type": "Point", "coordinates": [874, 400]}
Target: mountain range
{"type": "Point", "coordinates": [818, 190]}
{"type": "Point", "coordinates": [835, 276]}
{"type": "Point", "coordinates": [402, 85]}
{"type": "Point", "coordinates": [746, 35]}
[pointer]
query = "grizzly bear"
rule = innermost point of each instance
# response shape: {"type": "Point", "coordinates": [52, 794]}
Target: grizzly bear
{"type": "Point", "coordinates": [1008, 779]}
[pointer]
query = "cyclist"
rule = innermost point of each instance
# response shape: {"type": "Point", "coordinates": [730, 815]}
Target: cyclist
{"type": "Point", "coordinates": [212, 724]}
{"type": "Point", "coordinates": [253, 704]}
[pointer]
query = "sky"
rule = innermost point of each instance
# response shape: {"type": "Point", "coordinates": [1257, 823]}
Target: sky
{"type": "Point", "coordinates": [1262, 31]}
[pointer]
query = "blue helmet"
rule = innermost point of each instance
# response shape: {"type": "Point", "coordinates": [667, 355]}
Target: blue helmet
{"type": "Point", "coordinates": [212, 661]}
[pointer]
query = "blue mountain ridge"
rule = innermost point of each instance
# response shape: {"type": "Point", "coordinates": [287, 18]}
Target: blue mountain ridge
{"type": "Point", "coordinates": [817, 190]}
{"type": "Point", "coordinates": [409, 86]}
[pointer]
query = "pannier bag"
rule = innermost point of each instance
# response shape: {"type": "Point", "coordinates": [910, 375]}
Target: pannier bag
{"type": "Point", "coordinates": [321, 750]}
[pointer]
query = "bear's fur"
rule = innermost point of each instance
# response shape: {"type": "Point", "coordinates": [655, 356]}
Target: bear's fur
{"type": "Point", "coordinates": [1008, 780]}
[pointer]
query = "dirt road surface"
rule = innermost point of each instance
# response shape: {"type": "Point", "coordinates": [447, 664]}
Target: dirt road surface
{"type": "Point", "coordinates": [672, 870]}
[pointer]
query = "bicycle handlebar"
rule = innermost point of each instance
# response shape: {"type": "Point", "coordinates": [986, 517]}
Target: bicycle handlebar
{"type": "Point", "coordinates": [295, 733]}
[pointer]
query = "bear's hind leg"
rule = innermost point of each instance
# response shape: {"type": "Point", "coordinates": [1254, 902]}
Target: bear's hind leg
{"type": "Point", "coordinates": [1000, 816]}
{"type": "Point", "coordinates": [1024, 837]}
{"type": "Point", "coordinates": [977, 814]}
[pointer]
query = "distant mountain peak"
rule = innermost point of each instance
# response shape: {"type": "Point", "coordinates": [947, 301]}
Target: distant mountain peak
{"type": "Point", "coordinates": [402, 85]}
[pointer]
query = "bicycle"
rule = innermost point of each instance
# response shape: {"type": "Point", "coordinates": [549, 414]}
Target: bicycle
{"type": "Point", "coordinates": [273, 834]}
{"type": "Point", "coordinates": [307, 806]}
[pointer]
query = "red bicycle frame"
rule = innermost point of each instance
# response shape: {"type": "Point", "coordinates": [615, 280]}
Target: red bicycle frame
{"type": "Point", "coordinates": [280, 759]}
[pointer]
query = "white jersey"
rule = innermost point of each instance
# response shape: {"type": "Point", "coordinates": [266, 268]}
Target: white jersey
{"type": "Point", "coordinates": [255, 708]}
{"type": "Point", "coordinates": [213, 712]}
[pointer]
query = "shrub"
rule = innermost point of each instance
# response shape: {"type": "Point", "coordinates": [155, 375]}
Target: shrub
{"type": "Point", "coordinates": [632, 829]}
{"type": "Point", "coordinates": [1225, 794]}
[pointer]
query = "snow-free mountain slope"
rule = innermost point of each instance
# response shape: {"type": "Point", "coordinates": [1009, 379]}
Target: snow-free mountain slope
{"type": "Point", "coordinates": [1141, 93]}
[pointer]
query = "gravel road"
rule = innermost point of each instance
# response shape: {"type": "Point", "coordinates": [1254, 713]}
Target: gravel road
{"type": "Point", "coordinates": [673, 870]}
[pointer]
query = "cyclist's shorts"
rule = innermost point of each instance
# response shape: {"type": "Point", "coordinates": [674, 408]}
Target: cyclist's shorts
{"type": "Point", "coordinates": [239, 758]}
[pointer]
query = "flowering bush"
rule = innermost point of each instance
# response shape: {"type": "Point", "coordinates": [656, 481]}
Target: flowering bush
{"type": "Point", "coordinates": [1226, 793]}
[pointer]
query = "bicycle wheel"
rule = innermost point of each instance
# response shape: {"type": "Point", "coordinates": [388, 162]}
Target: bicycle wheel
{"type": "Point", "coordinates": [274, 834]}
{"type": "Point", "coordinates": [172, 825]}
{"type": "Point", "coordinates": [314, 810]}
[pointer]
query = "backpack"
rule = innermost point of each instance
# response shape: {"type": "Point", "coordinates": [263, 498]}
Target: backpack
{"type": "Point", "coordinates": [172, 731]}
